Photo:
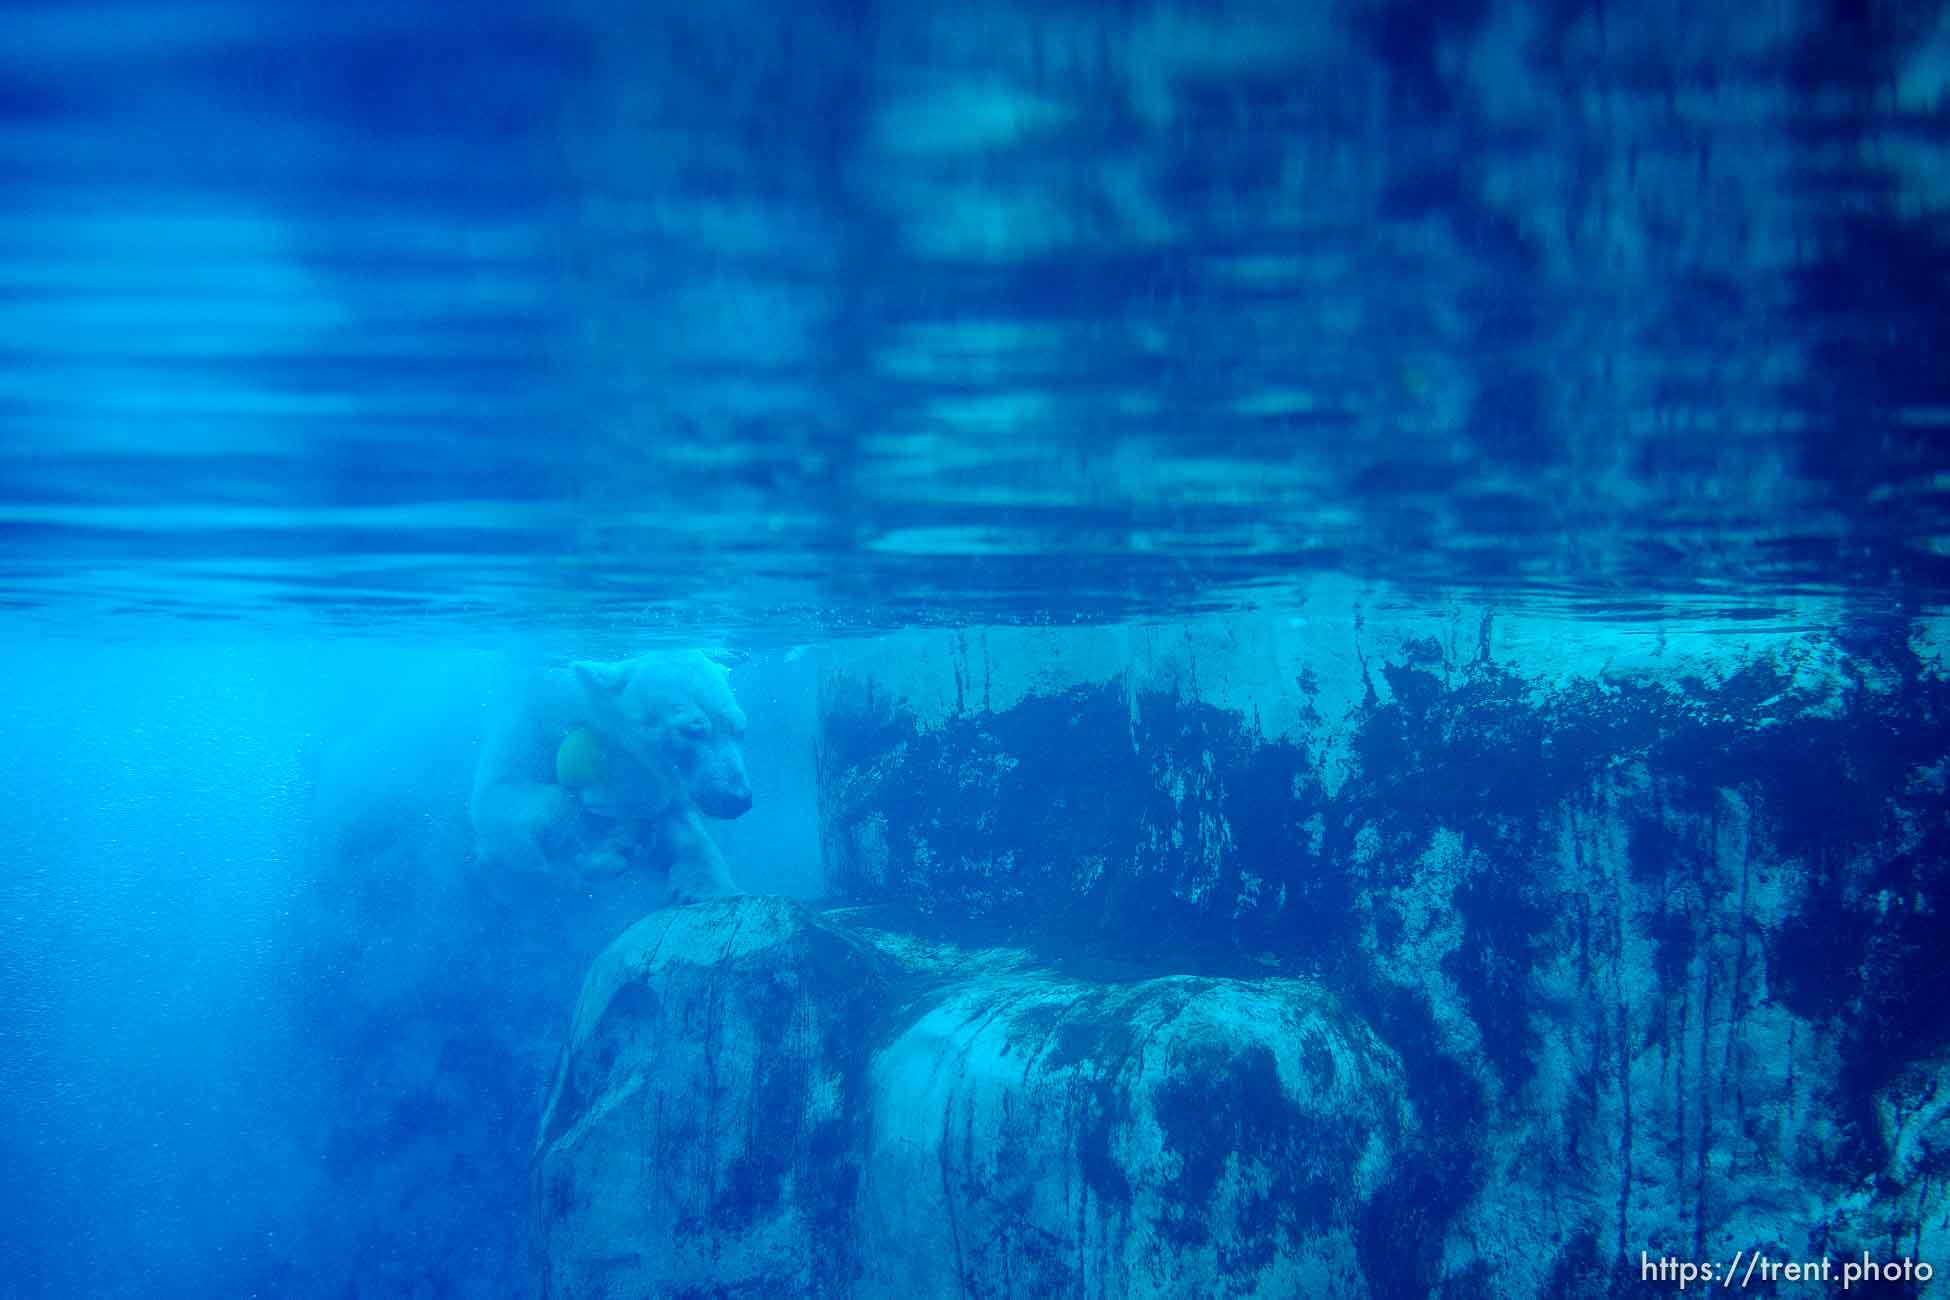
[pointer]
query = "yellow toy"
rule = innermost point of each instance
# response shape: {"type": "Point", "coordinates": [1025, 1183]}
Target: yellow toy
{"type": "Point", "coordinates": [581, 759]}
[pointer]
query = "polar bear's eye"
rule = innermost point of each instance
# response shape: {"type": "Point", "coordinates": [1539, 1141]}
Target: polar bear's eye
{"type": "Point", "coordinates": [696, 726]}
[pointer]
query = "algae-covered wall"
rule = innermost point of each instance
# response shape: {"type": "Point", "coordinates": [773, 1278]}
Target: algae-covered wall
{"type": "Point", "coordinates": [1651, 917]}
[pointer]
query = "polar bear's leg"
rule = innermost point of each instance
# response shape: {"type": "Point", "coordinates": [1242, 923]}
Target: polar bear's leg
{"type": "Point", "coordinates": [524, 825]}
{"type": "Point", "coordinates": [697, 867]}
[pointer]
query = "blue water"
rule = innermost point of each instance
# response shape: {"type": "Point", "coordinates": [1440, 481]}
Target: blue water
{"type": "Point", "coordinates": [345, 349]}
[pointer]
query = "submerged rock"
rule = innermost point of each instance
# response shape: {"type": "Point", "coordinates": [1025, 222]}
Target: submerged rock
{"type": "Point", "coordinates": [1653, 925]}
{"type": "Point", "coordinates": [759, 1100]}
{"type": "Point", "coordinates": [1043, 1136]}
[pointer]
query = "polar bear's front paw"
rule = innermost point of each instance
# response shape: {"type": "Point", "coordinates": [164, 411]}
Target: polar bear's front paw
{"type": "Point", "coordinates": [682, 893]}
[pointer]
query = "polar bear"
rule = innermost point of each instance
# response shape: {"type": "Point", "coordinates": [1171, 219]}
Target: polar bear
{"type": "Point", "coordinates": [602, 767]}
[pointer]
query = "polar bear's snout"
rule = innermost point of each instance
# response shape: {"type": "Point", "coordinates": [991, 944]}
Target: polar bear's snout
{"type": "Point", "coordinates": [721, 787]}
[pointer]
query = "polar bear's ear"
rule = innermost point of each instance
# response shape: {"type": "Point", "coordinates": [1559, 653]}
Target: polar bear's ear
{"type": "Point", "coordinates": [726, 659]}
{"type": "Point", "coordinates": [599, 679]}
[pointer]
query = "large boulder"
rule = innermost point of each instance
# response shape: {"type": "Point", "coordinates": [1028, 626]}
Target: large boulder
{"type": "Point", "coordinates": [705, 1131]}
{"type": "Point", "coordinates": [1042, 1136]}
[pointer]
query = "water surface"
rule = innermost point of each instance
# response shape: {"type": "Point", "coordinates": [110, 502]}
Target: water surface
{"type": "Point", "coordinates": [810, 319]}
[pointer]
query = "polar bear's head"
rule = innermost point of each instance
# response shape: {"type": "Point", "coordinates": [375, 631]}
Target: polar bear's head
{"type": "Point", "coordinates": [673, 713]}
